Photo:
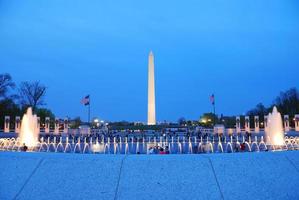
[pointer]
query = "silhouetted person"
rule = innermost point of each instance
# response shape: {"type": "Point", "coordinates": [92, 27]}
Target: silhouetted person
{"type": "Point", "coordinates": [25, 148]}
{"type": "Point", "coordinates": [167, 150]}
{"type": "Point", "coordinates": [243, 147]}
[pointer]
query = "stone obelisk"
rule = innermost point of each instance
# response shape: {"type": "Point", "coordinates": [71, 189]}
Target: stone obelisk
{"type": "Point", "coordinates": [151, 106]}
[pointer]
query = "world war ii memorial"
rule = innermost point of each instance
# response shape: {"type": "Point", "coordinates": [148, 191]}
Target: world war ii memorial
{"type": "Point", "coordinates": [149, 100]}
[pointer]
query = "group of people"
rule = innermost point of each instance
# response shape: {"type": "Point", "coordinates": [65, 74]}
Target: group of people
{"type": "Point", "coordinates": [239, 148]}
{"type": "Point", "coordinates": [159, 150]}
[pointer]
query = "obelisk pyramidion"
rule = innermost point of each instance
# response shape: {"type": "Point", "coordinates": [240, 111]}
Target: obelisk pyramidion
{"type": "Point", "coordinates": [151, 106]}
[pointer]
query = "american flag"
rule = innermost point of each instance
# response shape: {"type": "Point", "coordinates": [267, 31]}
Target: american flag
{"type": "Point", "coordinates": [212, 99]}
{"type": "Point", "coordinates": [85, 101]}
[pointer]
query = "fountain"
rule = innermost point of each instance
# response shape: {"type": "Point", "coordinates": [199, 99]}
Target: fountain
{"type": "Point", "coordinates": [274, 134]}
{"type": "Point", "coordinates": [29, 135]}
{"type": "Point", "coordinates": [29, 132]}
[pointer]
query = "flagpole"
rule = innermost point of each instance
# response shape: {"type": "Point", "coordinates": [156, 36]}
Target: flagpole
{"type": "Point", "coordinates": [89, 111]}
{"type": "Point", "coordinates": [214, 107]}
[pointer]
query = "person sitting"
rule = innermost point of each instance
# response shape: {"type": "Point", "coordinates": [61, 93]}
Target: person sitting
{"type": "Point", "coordinates": [161, 151]}
{"type": "Point", "coordinates": [243, 147]}
{"type": "Point", "coordinates": [156, 149]}
{"type": "Point", "coordinates": [151, 150]}
{"type": "Point", "coordinates": [25, 148]}
{"type": "Point", "coordinates": [236, 147]}
{"type": "Point", "coordinates": [167, 150]}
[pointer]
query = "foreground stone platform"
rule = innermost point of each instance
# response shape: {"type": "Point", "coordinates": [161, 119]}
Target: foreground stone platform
{"type": "Point", "coordinates": [269, 175]}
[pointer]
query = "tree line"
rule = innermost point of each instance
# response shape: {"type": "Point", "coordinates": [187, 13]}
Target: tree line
{"type": "Point", "coordinates": [287, 103]}
{"type": "Point", "coordinates": [15, 99]}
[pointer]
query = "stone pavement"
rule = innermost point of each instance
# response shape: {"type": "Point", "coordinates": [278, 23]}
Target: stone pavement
{"type": "Point", "coordinates": [268, 175]}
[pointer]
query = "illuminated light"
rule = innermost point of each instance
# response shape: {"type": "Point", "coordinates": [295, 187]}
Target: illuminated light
{"type": "Point", "coordinates": [97, 148]}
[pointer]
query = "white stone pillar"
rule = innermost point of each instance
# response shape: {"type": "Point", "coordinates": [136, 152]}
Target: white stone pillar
{"type": "Point", "coordinates": [230, 131]}
{"type": "Point", "coordinates": [247, 124]}
{"type": "Point", "coordinates": [66, 125]}
{"type": "Point", "coordinates": [238, 124]}
{"type": "Point", "coordinates": [18, 124]}
{"type": "Point", "coordinates": [286, 123]}
{"type": "Point", "coordinates": [38, 124]}
{"type": "Point", "coordinates": [266, 123]}
{"type": "Point", "coordinates": [47, 125]}
{"type": "Point", "coordinates": [297, 122]}
{"type": "Point", "coordinates": [56, 130]}
{"type": "Point", "coordinates": [256, 124]}
{"type": "Point", "coordinates": [6, 124]}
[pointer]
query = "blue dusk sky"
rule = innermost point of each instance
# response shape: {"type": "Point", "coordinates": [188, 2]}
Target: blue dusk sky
{"type": "Point", "coordinates": [245, 52]}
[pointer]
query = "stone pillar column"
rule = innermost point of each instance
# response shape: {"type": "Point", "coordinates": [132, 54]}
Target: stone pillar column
{"type": "Point", "coordinates": [256, 124]}
{"type": "Point", "coordinates": [38, 124]}
{"type": "Point", "coordinates": [47, 125]}
{"type": "Point", "coordinates": [66, 125]}
{"type": "Point", "coordinates": [286, 123]}
{"type": "Point", "coordinates": [297, 122]}
{"type": "Point", "coordinates": [6, 124]}
{"type": "Point", "coordinates": [56, 130]}
{"type": "Point", "coordinates": [230, 131]}
{"type": "Point", "coordinates": [238, 124]}
{"type": "Point", "coordinates": [266, 123]}
{"type": "Point", "coordinates": [18, 124]}
{"type": "Point", "coordinates": [247, 124]}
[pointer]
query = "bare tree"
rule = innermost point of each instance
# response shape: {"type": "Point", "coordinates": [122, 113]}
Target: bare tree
{"type": "Point", "coordinates": [6, 83]}
{"type": "Point", "coordinates": [288, 102]}
{"type": "Point", "coordinates": [32, 94]}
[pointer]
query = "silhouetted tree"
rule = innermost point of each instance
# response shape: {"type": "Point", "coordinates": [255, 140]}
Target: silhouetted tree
{"type": "Point", "coordinates": [182, 121]}
{"type": "Point", "coordinates": [288, 102]}
{"type": "Point", "coordinates": [6, 83]}
{"type": "Point", "coordinates": [75, 123]}
{"type": "Point", "coordinates": [229, 121]}
{"type": "Point", "coordinates": [189, 122]}
{"type": "Point", "coordinates": [31, 94]}
{"type": "Point", "coordinates": [259, 110]}
{"type": "Point", "coordinates": [43, 113]}
{"type": "Point", "coordinates": [9, 108]}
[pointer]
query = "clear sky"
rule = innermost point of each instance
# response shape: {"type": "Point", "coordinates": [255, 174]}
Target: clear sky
{"type": "Point", "coordinates": [245, 52]}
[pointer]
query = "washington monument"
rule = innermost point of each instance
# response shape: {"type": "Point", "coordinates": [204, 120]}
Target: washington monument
{"type": "Point", "coordinates": [151, 104]}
